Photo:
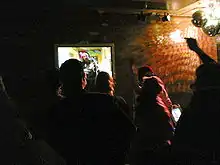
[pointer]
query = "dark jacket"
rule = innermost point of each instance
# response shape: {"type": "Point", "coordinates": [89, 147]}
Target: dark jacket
{"type": "Point", "coordinates": [90, 129]}
{"type": "Point", "coordinates": [154, 124]}
{"type": "Point", "coordinates": [17, 146]}
{"type": "Point", "coordinates": [197, 133]}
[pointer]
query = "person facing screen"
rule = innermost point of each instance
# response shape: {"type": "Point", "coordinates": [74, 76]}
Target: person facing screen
{"type": "Point", "coordinates": [105, 83]}
{"type": "Point", "coordinates": [72, 84]}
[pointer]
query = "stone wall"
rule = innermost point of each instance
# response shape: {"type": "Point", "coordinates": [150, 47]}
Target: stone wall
{"type": "Point", "coordinates": [167, 52]}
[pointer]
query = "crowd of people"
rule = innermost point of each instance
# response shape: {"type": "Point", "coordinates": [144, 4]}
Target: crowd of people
{"type": "Point", "coordinates": [98, 128]}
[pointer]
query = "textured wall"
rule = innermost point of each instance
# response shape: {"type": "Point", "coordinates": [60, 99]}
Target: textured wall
{"type": "Point", "coordinates": [166, 51]}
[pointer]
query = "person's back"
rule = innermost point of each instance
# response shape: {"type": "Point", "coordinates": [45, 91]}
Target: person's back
{"type": "Point", "coordinates": [105, 131]}
{"type": "Point", "coordinates": [105, 84]}
{"type": "Point", "coordinates": [87, 128]}
{"type": "Point", "coordinates": [64, 118]}
{"type": "Point", "coordinates": [64, 125]}
{"type": "Point", "coordinates": [155, 129]}
{"type": "Point", "coordinates": [198, 128]}
{"type": "Point", "coordinates": [146, 72]}
{"type": "Point", "coordinates": [17, 145]}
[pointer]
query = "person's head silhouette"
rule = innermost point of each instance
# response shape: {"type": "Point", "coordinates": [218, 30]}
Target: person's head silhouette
{"type": "Point", "coordinates": [150, 89]}
{"type": "Point", "coordinates": [144, 71]}
{"type": "Point", "coordinates": [207, 77]}
{"type": "Point", "coordinates": [105, 83]}
{"type": "Point", "coordinates": [151, 86]}
{"type": "Point", "coordinates": [72, 77]}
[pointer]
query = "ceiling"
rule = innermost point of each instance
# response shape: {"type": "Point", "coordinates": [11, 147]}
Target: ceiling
{"type": "Point", "coordinates": [174, 7]}
{"type": "Point", "coordinates": [185, 7]}
{"type": "Point", "coordinates": [178, 6]}
{"type": "Point", "coordinates": [173, 4]}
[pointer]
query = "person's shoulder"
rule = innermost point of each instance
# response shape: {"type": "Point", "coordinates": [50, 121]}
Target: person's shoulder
{"type": "Point", "coordinates": [158, 79]}
{"type": "Point", "coordinates": [120, 100]}
{"type": "Point", "coordinates": [96, 95]}
{"type": "Point", "coordinates": [98, 103]}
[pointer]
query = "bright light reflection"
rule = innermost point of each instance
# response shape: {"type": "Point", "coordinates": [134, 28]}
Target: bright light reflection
{"type": "Point", "coordinates": [212, 8]}
{"type": "Point", "coordinates": [177, 36]}
{"type": "Point", "coordinates": [212, 22]}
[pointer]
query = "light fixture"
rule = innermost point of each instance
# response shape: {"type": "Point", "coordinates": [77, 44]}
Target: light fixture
{"type": "Point", "coordinates": [166, 17]}
{"type": "Point", "coordinates": [209, 18]}
{"type": "Point", "coordinates": [176, 36]}
{"type": "Point", "coordinates": [199, 19]}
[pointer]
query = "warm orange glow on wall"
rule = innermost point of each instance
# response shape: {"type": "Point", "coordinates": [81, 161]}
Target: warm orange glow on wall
{"type": "Point", "coordinates": [168, 54]}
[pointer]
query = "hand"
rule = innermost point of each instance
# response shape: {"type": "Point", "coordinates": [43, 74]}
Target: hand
{"type": "Point", "coordinates": [192, 43]}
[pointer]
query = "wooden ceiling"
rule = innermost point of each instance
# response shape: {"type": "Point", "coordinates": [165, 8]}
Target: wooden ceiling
{"type": "Point", "coordinates": [185, 7]}
{"type": "Point", "coordinates": [175, 4]}
{"type": "Point", "coordinates": [174, 7]}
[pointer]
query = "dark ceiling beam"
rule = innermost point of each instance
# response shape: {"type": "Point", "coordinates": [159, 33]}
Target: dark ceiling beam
{"type": "Point", "coordinates": [129, 11]}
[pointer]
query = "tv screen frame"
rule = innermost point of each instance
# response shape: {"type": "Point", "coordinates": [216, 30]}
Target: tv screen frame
{"type": "Point", "coordinates": [112, 45]}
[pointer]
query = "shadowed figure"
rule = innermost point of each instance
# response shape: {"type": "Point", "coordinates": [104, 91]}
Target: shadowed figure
{"type": "Point", "coordinates": [17, 145]}
{"type": "Point", "coordinates": [146, 72]}
{"type": "Point", "coordinates": [47, 97]}
{"type": "Point", "coordinates": [105, 84]}
{"type": "Point", "coordinates": [64, 118]}
{"type": "Point", "coordinates": [155, 129]}
{"type": "Point", "coordinates": [87, 128]}
{"type": "Point", "coordinates": [197, 134]}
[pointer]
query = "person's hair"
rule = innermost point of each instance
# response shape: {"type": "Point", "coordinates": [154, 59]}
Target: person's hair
{"type": "Point", "coordinates": [142, 72]}
{"type": "Point", "coordinates": [207, 77]}
{"type": "Point", "coordinates": [150, 89]}
{"type": "Point", "coordinates": [71, 76]}
{"type": "Point", "coordinates": [104, 83]}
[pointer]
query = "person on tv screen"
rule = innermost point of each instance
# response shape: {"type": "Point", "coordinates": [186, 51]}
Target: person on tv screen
{"type": "Point", "coordinates": [91, 67]}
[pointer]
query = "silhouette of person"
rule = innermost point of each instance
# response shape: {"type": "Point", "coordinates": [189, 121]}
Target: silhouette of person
{"type": "Point", "coordinates": [64, 118]}
{"type": "Point", "coordinates": [88, 128]}
{"type": "Point", "coordinates": [18, 146]}
{"type": "Point", "coordinates": [155, 128]}
{"type": "Point", "coordinates": [145, 72]}
{"type": "Point", "coordinates": [105, 84]}
{"type": "Point", "coordinates": [196, 137]}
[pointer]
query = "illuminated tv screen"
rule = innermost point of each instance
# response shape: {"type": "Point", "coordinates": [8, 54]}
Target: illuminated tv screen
{"type": "Point", "coordinates": [95, 58]}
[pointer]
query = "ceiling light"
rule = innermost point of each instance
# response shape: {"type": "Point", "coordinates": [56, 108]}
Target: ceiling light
{"type": "Point", "coordinates": [209, 18]}
{"type": "Point", "coordinates": [166, 17]}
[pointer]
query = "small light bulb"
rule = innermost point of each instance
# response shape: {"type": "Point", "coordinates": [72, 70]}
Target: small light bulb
{"type": "Point", "coordinates": [168, 17]}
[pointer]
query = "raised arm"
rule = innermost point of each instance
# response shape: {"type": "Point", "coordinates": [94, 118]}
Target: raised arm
{"type": "Point", "coordinates": [193, 45]}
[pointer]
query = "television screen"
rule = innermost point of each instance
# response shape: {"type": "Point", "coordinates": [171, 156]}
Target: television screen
{"type": "Point", "coordinates": [94, 58]}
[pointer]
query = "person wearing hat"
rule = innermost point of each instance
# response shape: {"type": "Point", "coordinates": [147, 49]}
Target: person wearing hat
{"type": "Point", "coordinates": [146, 72]}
